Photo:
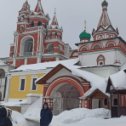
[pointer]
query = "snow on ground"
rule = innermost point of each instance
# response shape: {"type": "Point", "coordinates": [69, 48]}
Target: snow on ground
{"type": "Point", "coordinates": [33, 112]}
{"type": "Point", "coordinates": [86, 117]}
{"type": "Point", "coordinates": [76, 116]}
{"type": "Point", "coordinates": [18, 119]}
{"type": "Point", "coordinates": [96, 122]}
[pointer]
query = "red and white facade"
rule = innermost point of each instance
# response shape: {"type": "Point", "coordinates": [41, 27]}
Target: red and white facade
{"type": "Point", "coordinates": [35, 40]}
{"type": "Point", "coordinates": [104, 55]}
{"type": "Point", "coordinates": [64, 91]}
{"type": "Point", "coordinates": [107, 48]}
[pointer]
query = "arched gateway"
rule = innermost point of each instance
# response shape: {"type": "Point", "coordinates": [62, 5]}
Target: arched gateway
{"type": "Point", "coordinates": [62, 89]}
{"type": "Point", "coordinates": [65, 93]}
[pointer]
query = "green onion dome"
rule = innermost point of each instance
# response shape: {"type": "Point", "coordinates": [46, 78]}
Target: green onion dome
{"type": "Point", "coordinates": [85, 35]}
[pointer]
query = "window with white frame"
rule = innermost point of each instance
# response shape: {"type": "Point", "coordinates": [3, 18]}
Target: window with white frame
{"type": "Point", "coordinates": [50, 48]}
{"type": "Point", "coordinates": [27, 47]}
{"type": "Point", "coordinates": [34, 87]}
{"type": "Point", "coordinates": [100, 60]}
{"type": "Point", "coordinates": [22, 85]}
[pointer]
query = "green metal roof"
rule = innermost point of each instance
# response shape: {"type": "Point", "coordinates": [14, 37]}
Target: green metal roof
{"type": "Point", "coordinates": [85, 35]}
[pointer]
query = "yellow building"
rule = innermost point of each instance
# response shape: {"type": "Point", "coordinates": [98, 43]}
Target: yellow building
{"type": "Point", "coordinates": [22, 83]}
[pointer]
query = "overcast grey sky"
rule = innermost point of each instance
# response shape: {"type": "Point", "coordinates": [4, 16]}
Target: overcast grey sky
{"type": "Point", "coordinates": [70, 13]}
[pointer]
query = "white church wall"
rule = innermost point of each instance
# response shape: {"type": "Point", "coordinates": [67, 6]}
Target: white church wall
{"type": "Point", "coordinates": [121, 57]}
{"type": "Point", "coordinates": [103, 71]}
{"type": "Point", "coordinates": [111, 56]}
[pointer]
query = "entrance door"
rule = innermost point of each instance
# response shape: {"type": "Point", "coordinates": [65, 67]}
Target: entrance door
{"type": "Point", "coordinates": [70, 97]}
{"type": "Point", "coordinates": [65, 97]}
{"type": "Point", "coordinates": [114, 111]}
{"type": "Point", "coordinates": [70, 103]}
{"type": "Point", "coordinates": [95, 103]}
{"type": "Point", "coordinates": [57, 103]}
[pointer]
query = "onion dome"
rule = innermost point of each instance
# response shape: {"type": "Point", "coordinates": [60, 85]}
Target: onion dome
{"type": "Point", "coordinates": [85, 35]}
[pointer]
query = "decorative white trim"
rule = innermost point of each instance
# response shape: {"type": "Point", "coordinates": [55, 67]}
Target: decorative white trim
{"type": "Point", "coordinates": [21, 78]}
{"type": "Point", "coordinates": [33, 77]}
{"type": "Point", "coordinates": [23, 40]}
{"type": "Point", "coordinates": [63, 78]}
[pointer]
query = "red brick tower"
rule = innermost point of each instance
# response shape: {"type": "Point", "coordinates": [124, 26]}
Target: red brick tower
{"type": "Point", "coordinates": [34, 40]}
{"type": "Point", "coordinates": [54, 46]}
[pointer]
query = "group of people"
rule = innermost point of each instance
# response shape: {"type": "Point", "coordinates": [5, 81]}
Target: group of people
{"type": "Point", "coordinates": [45, 116]}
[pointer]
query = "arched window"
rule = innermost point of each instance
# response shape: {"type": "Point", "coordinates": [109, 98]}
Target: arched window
{"type": "Point", "coordinates": [100, 37]}
{"type": "Point", "coordinates": [50, 48]}
{"type": "Point", "coordinates": [32, 24]}
{"type": "Point", "coordinates": [84, 48]}
{"type": "Point", "coordinates": [110, 45]}
{"type": "Point", "coordinates": [60, 48]}
{"type": "Point", "coordinates": [97, 47]}
{"type": "Point", "coordinates": [100, 60]}
{"type": "Point", "coordinates": [39, 23]}
{"type": "Point", "coordinates": [27, 47]}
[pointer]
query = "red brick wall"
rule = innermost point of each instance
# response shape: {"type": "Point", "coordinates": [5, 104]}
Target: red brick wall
{"type": "Point", "coordinates": [19, 62]}
{"type": "Point", "coordinates": [31, 60]}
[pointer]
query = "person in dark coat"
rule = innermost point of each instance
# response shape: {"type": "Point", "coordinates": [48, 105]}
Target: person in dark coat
{"type": "Point", "coordinates": [46, 115]}
{"type": "Point", "coordinates": [4, 120]}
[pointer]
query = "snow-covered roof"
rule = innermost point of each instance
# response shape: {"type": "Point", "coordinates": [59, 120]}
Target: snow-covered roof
{"type": "Point", "coordinates": [2, 63]}
{"type": "Point", "coordinates": [96, 81]}
{"type": "Point", "coordinates": [119, 80]}
{"type": "Point", "coordinates": [46, 65]}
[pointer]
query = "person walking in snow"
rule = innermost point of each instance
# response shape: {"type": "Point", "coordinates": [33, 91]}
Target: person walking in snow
{"type": "Point", "coordinates": [4, 119]}
{"type": "Point", "coordinates": [46, 115]}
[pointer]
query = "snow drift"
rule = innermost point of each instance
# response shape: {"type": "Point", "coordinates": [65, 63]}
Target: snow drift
{"type": "Point", "coordinates": [76, 115]}
{"type": "Point", "coordinates": [18, 119]}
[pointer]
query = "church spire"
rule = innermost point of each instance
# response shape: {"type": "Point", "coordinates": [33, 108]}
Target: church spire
{"type": "Point", "coordinates": [39, 8]}
{"type": "Point", "coordinates": [104, 19]}
{"type": "Point", "coordinates": [54, 20]}
{"type": "Point", "coordinates": [54, 31]}
{"type": "Point", "coordinates": [85, 25]}
{"type": "Point", "coordinates": [104, 29]}
{"type": "Point", "coordinates": [25, 7]}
